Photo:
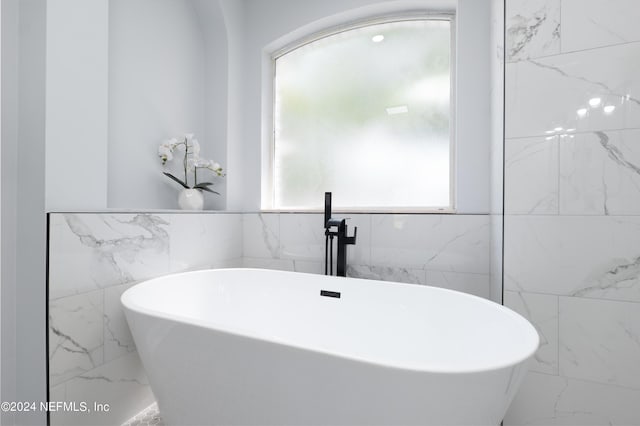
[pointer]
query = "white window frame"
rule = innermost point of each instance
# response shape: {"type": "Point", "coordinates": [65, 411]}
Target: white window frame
{"type": "Point", "coordinates": [268, 125]}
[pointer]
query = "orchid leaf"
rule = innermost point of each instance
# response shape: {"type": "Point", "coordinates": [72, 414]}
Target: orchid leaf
{"type": "Point", "coordinates": [170, 176]}
{"type": "Point", "coordinates": [203, 184]}
{"type": "Point", "coordinates": [209, 190]}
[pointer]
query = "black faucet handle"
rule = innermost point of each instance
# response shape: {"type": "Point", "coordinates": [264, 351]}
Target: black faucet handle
{"type": "Point", "coordinates": [352, 240]}
{"type": "Point", "coordinates": [327, 208]}
{"type": "Point", "coordinates": [337, 222]}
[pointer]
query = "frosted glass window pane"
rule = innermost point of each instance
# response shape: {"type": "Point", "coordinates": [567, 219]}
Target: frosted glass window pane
{"type": "Point", "coordinates": [365, 118]}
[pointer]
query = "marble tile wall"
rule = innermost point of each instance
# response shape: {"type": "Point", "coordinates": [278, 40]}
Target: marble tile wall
{"type": "Point", "coordinates": [451, 251]}
{"type": "Point", "coordinates": [93, 258]}
{"type": "Point", "coordinates": [572, 203]}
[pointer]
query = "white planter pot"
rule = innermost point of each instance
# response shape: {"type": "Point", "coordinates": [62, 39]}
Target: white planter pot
{"type": "Point", "coordinates": [191, 199]}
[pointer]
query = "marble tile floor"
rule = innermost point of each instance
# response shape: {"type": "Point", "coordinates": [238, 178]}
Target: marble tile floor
{"type": "Point", "coordinates": [150, 416]}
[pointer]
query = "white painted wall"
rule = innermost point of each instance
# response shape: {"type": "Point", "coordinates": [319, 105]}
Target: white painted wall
{"type": "Point", "coordinates": [31, 220]}
{"type": "Point", "coordinates": [167, 75]}
{"type": "Point", "coordinates": [0, 206]}
{"type": "Point", "coordinates": [473, 106]}
{"type": "Point", "coordinates": [233, 12]}
{"type": "Point", "coordinates": [8, 182]}
{"type": "Point", "coordinates": [159, 66]}
{"type": "Point", "coordinates": [213, 31]}
{"type": "Point", "coordinates": [77, 104]}
{"type": "Point", "coordinates": [268, 21]}
{"type": "Point", "coordinates": [122, 76]}
{"type": "Point", "coordinates": [156, 91]}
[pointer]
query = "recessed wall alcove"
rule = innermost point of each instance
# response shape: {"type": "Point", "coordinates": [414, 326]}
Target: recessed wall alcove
{"type": "Point", "coordinates": [123, 76]}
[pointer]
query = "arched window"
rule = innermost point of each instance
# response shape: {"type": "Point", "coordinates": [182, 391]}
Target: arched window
{"type": "Point", "coordinates": [366, 113]}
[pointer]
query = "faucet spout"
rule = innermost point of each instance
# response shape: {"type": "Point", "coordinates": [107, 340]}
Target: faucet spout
{"type": "Point", "coordinates": [340, 226]}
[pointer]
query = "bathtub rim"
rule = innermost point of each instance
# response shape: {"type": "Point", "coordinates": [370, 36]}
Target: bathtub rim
{"type": "Point", "coordinates": [127, 300]}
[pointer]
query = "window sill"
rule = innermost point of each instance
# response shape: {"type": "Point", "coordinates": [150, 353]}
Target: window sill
{"type": "Point", "coordinates": [364, 211]}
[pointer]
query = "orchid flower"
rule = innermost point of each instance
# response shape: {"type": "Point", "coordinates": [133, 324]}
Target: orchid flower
{"type": "Point", "coordinates": [191, 161]}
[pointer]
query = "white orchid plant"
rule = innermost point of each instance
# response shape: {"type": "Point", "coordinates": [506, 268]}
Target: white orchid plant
{"type": "Point", "coordinates": [191, 162]}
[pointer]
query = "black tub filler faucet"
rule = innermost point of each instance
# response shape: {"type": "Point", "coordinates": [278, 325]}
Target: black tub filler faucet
{"type": "Point", "coordinates": [336, 227]}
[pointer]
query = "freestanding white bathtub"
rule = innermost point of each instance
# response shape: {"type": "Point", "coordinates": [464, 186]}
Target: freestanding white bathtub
{"type": "Point", "coordinates": [260, 347]}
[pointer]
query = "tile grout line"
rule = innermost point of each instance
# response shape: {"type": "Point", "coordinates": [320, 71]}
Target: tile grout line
{"type": "Point", "coordinates": [568, 296]}
{"type": "Point", "coordinates": [571, 52]}
{"type": "Point", "coordinates": [590, 382]}
{"type": "Point", "coordinates": [559, 151]}
{"type": "Point", "coordinates": [558, 331]}
{"type": "Point", "coordinates": [104, 325]}
{"type": "Point", "coordinates": [581, 132]}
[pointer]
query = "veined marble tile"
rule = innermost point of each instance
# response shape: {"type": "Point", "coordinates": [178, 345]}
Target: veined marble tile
{"type": "Point", "coordinates": [545, 400]}
{"type": "Point", "coordinates": [361, 252]}
{"type": "Point", "coordinates": [584, 256]}
{"type": "Point", "coordinates": [594, 23]}
{"type": "Point", "coordinates": [496, 258]}
{"type": "Point", "coordinates": [117, 337]}
{"type": "Point", "coordinates": [121, 383]}
{"type": "Point", "coordinates": [542, 311]}
{"type": "Point", "coordinates": [91, 251]}
{"type": "Point", "coordinates": [57, 394]}
{"type": "Point", "coordinates": [600, 173]}
{"type": "Point", "coordinates": [497, 178]}
{"type": "Point", "coordinates": [261, 263]}
{"type": "Point", "coordinates": [387, 273]}
{"type": "Point", "coordinates": [533, 28]}
{"type": "Point", "coordinates": [531, 175]}
{"type": "Point", "coordinates": [456, 243]}
{"type": "Point", "coordinates": [302, 237]}
{"type": "Point", "coordinates": [600, 341]}
{"type": "Point", "coordinates": [476, 284]}
{"type": "Point", "coordinates": [227, 263]}
{"type": "Point", "coordinates": [261, 235]}
{"type": "Point", "coordinates": [197, 240]}
{"type": "Point", "coordinates": [546, 94]}
{"type": "Point", "coordinates": [308, 267]}
{"type": "Point", "coordinates": [75, 335]}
